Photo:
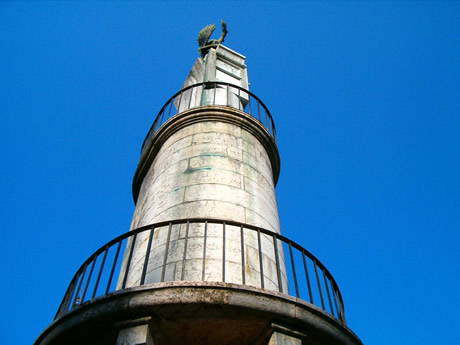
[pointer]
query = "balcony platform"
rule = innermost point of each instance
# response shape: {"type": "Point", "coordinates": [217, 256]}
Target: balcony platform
{"type": "Point", "coordinates": [196, 313]}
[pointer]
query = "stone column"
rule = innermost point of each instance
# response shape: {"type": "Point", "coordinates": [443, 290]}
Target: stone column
{"type": "Point", "coordinates": [210, 162]}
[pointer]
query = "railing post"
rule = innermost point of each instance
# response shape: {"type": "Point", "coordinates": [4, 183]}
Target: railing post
{"type": "Point", "coordinates": [89, 278]}
{"type": "Point", "coordinates": [147, 256]}
{"type": "Point", "coordinates": [82, 276]}
{"type": "Point", "coordinates": [328, 294]}
{"type": "Point", "coordinates": [185, 252]}
{"type": "Point", "coordinates": [129, 261]}
{"type": "Point", "coordinates": [319, 285]}
{"type": "Point", "coordinates": [293, 271]}
{"type": "Point", "coordinates": [278, 268]}
{"type": "Point", "coordinates": [166, 254]}
{"type": "Point", "coordinates": [115, 259]}
{"type": "Point", "coordinates": [261, 266]}
{"type": "Point", "coordinates": [243, 264]}
{"type": "Point", "coordinates": [223, 252]}
{"type": "Point", "coordinates": [308, 278]}
{"type": "Point", "coordinates": [100, 272]}
{"type": "Point", "coordinates": [203, 268]}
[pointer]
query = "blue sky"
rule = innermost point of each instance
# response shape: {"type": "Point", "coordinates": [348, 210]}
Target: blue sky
{"type": "Point", "coordinates": [365, 98]}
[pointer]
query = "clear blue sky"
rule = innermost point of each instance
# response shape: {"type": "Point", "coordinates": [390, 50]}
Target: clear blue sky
{"type": "Point", "coordinates": [365, 97]}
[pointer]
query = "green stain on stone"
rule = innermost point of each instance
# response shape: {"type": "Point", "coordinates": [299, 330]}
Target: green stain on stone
{"type": "Point", "coordinates": [191, 170]}
{"type": "Point", "coordinates": [212, 155]}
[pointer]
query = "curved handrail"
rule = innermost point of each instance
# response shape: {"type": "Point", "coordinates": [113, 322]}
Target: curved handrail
{"type": "Point", "coordinates": [87, 284]}
{"type": "Point", "coordinates": [208, 94]}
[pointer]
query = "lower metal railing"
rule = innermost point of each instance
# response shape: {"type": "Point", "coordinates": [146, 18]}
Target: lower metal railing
{"type": "Point", "coordinates": [295, 271]}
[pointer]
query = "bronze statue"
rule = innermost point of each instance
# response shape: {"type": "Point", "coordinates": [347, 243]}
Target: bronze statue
{"type": "Point", "coordinates": [203, 38]}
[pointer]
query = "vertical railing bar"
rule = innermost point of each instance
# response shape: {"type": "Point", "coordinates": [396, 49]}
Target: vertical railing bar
{"type": "Point", "coordinates": [271, 126]}
{"type": "Point", "coordinates": [278, 268]}
{"type": "Point", "coordinates": [100, 272]}
{"type": "Point", "coordinates": [308, 277]}
{"type": "Point", "coordinates": [266, 120]}
{"type": "Point", "coordinates": [249, 104]}
{"type": "Point", "coordinates": [342, 312]}
{"type": "Point", "coordinates": [293, 271]}
{"type": "Point", "coordinates": [163, 270]}
{"type": "Point", "coordinates": [65, 304]}
{"type": "Point", "coordinates": [319, 285]}
{"type": "Point", "coordinates": [203, 268]}
{"type": "Point", "coordinates": [258, 111]}
{"type": "Point", "coordinates": [170, 107]}
{"type": "Point", "coordinates": [239, 99]}
{"type": "Point", "coordinates": [228, 95]}
{"type": "Point", "coordinates": [180, 101]}
{"type": "Point", "coordinates": [334, 297]}
{"type": "Point", "coordinates": [125, 278]}
{"type": "Point", "coordinates": [190, 99]}
{"type": "Point", "coordinates": [261, 266]}
{"type": "Point", "coordinates": [341, 308]}
{"type": "Point", "coordinates": [223, 252]}
{"type": "Point", "coordinates": [79, 285]}
{"type": "Point", "coordinates": [202, 94]}
{"type": "Point", "coordinates": [157, 123]}
{"type": "Point", "coordinates": [67, 298]}
{"type": "Point", "coordinates": [147, 256]}
{"type": "Point", "coordinates": [243, 265]}
{"type": "Point", "coordinates": [328, 294]}
{"type": "Point", "coordinates": [113, 267]}
{"type": "Point", "coordinates": [162, 115]}
{"type": "Point", "coordinates": [215, 91]}
{"type": "Point", "coordinates": [89, 278]}
{"type": "Point", "coordinates": [185, 252]}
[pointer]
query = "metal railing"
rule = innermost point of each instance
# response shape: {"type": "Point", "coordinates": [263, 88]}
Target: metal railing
{"type": "Point", "coordinates": [208, 94]}
{"type": "Point", "coordinates": [300, 275]}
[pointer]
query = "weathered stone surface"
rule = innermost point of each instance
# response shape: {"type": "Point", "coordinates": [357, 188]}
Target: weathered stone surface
{"type": "Point", "coordinates": [138, 335]}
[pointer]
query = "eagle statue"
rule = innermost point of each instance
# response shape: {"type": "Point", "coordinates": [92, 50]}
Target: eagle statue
{"type": "Point", "coordinates": [203, 38]}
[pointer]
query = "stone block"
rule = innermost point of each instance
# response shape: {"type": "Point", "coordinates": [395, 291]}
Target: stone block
{"type": "Point", "coordinates": [137, 335]}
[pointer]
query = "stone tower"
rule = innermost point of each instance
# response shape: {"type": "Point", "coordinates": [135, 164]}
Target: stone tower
{"type": "Point", "coordinates": [204, 261]}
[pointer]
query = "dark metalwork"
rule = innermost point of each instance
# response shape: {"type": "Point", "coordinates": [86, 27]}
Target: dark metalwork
{"type": "Point", "coordinates": [185, 252]}
{"type": "Point", "coordinates": [76, 299]}
{"type": "Point", "coordinates": [203, 40]}
{"type": "Point", "coordinates": [100, 272]}
{"type": "Point", "coordinates": [308, 278]}
{"type": "Point", "coordinates": [163, 270]}
{"type": "Point", "coordinates": [293, 271]}
{"type": "Point", "coordinates": [147, 256]}
{"type": "Point", "coordinates": [203, 267]}
{"type": "Point", "coordinates": [204, 87]}
{"type": "Point", "coordinates": [223, 252]}
{"type": "Point", "coordinates": [328, 294]}
{"type": "Point", "coordinates": [72, 298]}
{"type": "Point", "coordinates": [261, 265]}
{"type": "Point", "coordinates": [243, 265]}
{"type": "Point", "coordinates": [278, 269]}
{"type": "Point", "coordinates": [319, 285]}
{"type": "Point", "coordinates": [109, 282]}
{"type": "Point", "coordinates": [128, 264]}
{"type": "Point", "coordinates": [89, 277]}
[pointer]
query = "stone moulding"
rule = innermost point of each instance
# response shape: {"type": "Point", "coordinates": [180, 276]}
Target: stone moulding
{"type": "Point", "coordinates": [198, 302]}
{"type": "Point", "coordinates": [205, 114]}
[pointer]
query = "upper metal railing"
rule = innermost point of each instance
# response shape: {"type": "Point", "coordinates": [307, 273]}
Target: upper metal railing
{"type": "Point", "coordinates": [209, 94]}
{"type": "Point", "coordinates": [296, 271]}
